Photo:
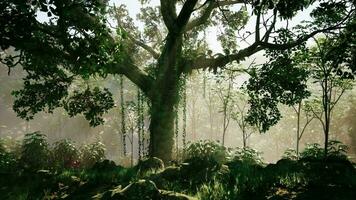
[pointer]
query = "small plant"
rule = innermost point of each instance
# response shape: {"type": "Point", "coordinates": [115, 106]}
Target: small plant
{"type": "Point", "coordinates": [337, 149]}
{"type": "Point", "coordinates": [290, 154]}
{"type": "Point", "coordinates": [214, 190]}
{"type": "Point", "coordinates": [92, 153]}
{"type": "Point", "coordinates": [65, 154]}
{"type": "Point", "coordinates": [35, 153]}
{"type": "Point", "coordinates": [313, 151]}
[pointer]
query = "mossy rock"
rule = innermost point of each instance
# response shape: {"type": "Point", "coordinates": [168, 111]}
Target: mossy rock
{"type": "Point", "coordinates": [105, 165]}
{"type": "Point", "coordinates": [170, 173]}
{"type": "Point", "coordinates": [287, 165]}
{"type": "Point", "coordinates": [150, 164]}
{"type": "Point", "coordinates": [167, 176]}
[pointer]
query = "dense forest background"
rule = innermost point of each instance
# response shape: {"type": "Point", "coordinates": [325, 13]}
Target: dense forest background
{"type": "Point", "coordinates": [204, 120]}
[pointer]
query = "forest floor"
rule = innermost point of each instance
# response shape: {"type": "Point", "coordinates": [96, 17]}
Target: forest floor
{"type": "Point", "coordinates": [196, 178]}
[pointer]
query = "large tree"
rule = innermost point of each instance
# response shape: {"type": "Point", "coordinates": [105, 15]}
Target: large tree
{"type": "Point", "coordinates": [74, 42]}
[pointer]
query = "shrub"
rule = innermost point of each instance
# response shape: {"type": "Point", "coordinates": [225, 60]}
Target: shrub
{"type": "Point", "coordinates": [65, 154]}
{"type": "Point", "coordinates": [207, 150]}
{"type": "Point", "coordinates": [247, 155]}
{"type": "Point", "coordinates": [336, 149]}
{"type": "Point", "coordinates": [35, 153]}
{"type": "Point", "coordinates": [92, 153]}
{"type": "Point", "coordinates": [312, 151]}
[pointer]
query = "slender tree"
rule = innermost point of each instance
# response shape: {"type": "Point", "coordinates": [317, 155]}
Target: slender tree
{"type": "Point", "coordinates": [225, 94]}
{"type": "Point", "coordinates": [301, 127]}
{"type": "Point", "coordinates": [239, 115]}
{"type": "Point", "coordinates": [333, 75]}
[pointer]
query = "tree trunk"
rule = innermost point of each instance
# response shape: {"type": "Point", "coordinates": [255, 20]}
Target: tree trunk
{"type": "Point", "coordinates": [132, 147]}
{"type": "Point", "coordinates": [327, 130]}
{"type": "Point", "coordinates": [164, 97]}
{"type": "Point", "coordinates": [224, 126]}
{"type": "Point", "coordinates": [298, 129]}
{"type": "Point", "coordinates": [194, 136]}
{"type": "Point", "coordinates": [162, 131]}
{"type": "Point", "coordinates": [244, 138]}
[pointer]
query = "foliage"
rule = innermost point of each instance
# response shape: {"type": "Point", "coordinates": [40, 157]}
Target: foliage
{"type": "Point", "coordinates": [72, 45]}
{"type": "Point", "coordinates": [312, 151]}
{"type": "Point", "coordinates": [206, 150]}
{"type": "Point", "coordinates": [239, 179]}
{"type": "Point", "coordinates": [334, 77]}
{"type": "Point", "coordinates": [93, 104]}
{"type": "Point", "coordinates": [247, 155]}
{"type": "Point", "coordinates": [335, 150]}
{"type": "Point", "coordinates": [35, 152]}
{"type": "Point", "coordinates": [65, 154]}
{"type": "Point", "coordinates": [92, 153]}
{"type": "Point", "coordinates": [290, 154]}
{"type": "Point", "coordinates": [280, 80]}
{"type": "Point", "coordinates": [214, 190]}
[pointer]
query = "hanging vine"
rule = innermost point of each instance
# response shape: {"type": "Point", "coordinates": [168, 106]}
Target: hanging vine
{"type": "Point", "coordinates": [123, 124]}
{"type": "Point", "coordinates": [184, 132]}
{"type": "Point", "coordinates": [142, 123]}
{"type": "Point", "coordinates": [176, 129]}
{"type": "Point", "coordinates": [204, 83]}
{"type": "Point", "coordinates": [139, 123]}
{"type": "Point", "coordinates": [148, 103]}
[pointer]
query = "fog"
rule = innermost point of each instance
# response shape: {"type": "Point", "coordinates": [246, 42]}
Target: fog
{"type": "Point", "coordinates": [204, 120]}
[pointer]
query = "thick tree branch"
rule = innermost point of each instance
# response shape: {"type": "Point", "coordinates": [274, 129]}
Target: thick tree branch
{"type": "Point", "coordinates": [186, 12]}
{"type": "Point", "coordinates": [169, 14]}
{"type": "Point", "coordinates": [297, 41]}
{"type": "Point", "coordinates": [257, 26]}
{"type": "Point", "coordinates": [205, 14]}
{"type": "Point", "coordinates": [202, 18]}
{"type": "Point", "coordinates": [144, 46]}
{"type": "Point", "coordinates": [221, 61]}
{"type": "Point", "coordinates": [134, 74]}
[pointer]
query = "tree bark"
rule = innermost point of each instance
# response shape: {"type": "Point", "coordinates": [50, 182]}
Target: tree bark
{"type": "Point", "coordinates": [164, 98]}
{"type": "Point", "coordinates": [244, 138]}
{"type": "Point", "coordinates": [162, 132]}
{"type": "Point", "coordinates": [298, 129]}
